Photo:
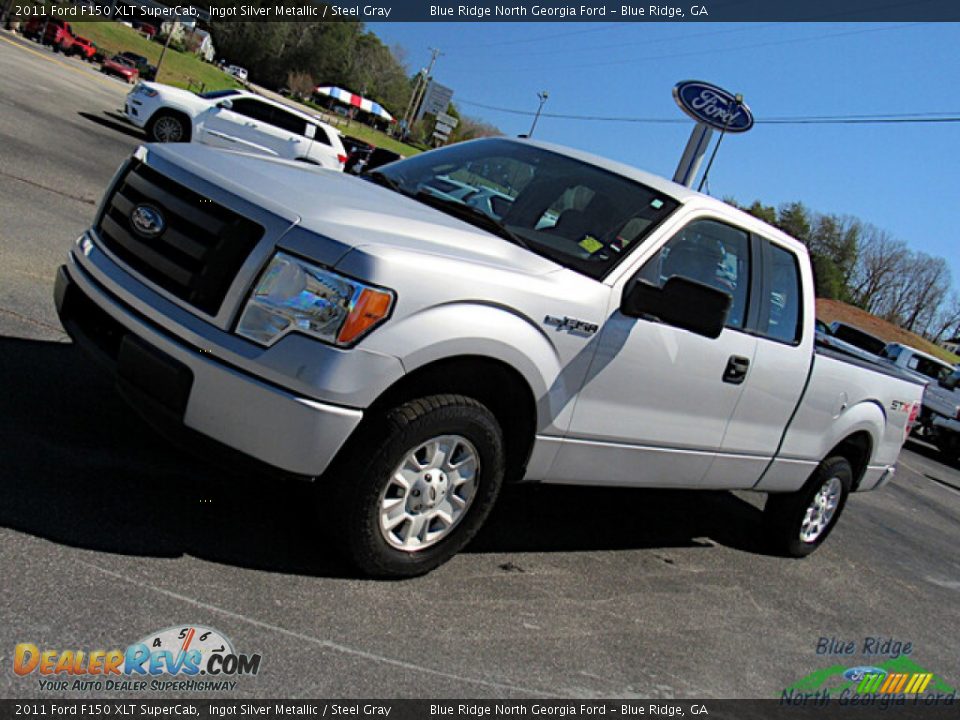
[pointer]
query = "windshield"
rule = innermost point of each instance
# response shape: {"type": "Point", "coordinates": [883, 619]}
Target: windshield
{"type": "Point", "coordinates": [577, 214]}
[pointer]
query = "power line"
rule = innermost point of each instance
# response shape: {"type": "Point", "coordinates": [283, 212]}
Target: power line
{"type": "Point", "coordinates": [883, 118]}
{"type": "Point", "coordinates": [713, 51]}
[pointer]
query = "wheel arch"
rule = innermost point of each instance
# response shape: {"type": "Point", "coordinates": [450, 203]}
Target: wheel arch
{"type": "Point", "coordinates": [490, 381]}
{"type": "Point", "coordinates": [857, 449]}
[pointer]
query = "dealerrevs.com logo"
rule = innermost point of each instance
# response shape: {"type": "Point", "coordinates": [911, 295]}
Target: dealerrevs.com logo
{"type": "Point", "coordinates": [179, 658]}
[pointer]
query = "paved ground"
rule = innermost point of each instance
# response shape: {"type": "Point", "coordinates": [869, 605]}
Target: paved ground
{"type": "Point", "coordinates": [108, 534]}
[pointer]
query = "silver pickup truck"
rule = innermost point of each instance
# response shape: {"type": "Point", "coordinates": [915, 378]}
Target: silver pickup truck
{"type": "Point", "coordinates": [941, 414]}
{"type": "Point", "coordinates": [494, 311]}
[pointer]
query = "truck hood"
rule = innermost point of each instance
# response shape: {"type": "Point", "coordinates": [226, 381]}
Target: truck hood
{"type": "Point", "coordinates": [353, 212]}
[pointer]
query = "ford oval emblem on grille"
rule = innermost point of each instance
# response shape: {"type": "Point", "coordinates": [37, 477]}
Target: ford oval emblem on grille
{"type": "Point", "coordinates": [146, 220]}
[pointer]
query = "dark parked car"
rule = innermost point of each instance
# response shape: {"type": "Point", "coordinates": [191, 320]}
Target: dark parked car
{"type": "Point", "coordinates": [362, 160]}
{"type": "Point", "coordinates": [147, 71]}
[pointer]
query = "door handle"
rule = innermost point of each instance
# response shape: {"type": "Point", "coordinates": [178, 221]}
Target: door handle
{"type": "Point", "coordinates": [250, 124]}
{"type": "Point", "coordinates": [736, 371]}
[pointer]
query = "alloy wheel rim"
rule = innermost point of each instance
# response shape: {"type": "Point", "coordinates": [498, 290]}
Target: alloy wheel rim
{"type": "Point", "coordinates": [168, 130]}
{"type": "Point", "coordinates": [429, 493]}
{"type": "Point", "coordinates": [821, 510]}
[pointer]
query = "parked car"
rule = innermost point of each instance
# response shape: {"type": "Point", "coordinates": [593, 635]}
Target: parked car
{"type": "Point", "coordinates": [924, 366]}
{"type": "Point", "coordinates": [83, 47]}
{"type": "Point", "coordinates": [50, 31]}
{"type": "Point", "coordinates": [238, 72]}
{"type": "Point", "coordinates": [414, 354]}
{"type": "Point", "coordinates": [364, 159]}
{"type": "Point", "coordinates": [941, 415]}
{"type": "Point", "coordinates": [146, 29]}
{"type": "Point", "coordinates": [857, 337]}
{"type": "Point", "coordinates": [146, 70]}
{"type": "Point", "coordinates": [234, 119]}
{"type": "Point", "coordinates": [121, 67]}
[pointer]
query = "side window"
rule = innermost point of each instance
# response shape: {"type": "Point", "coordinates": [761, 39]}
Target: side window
{"type": "Point", "coordinates": [711, 253]}
{"type": "Point", "coordinates": [288, 121]}
{"type": "Point", "coordinates": [253, 109]}
{"type": "Point", "coordinates": [321, 136]}
{"type": "Point", "coordinates": [783, 296]}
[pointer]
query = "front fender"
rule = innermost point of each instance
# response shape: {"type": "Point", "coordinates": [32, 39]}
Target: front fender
{"type": "Point", "coordinates": [478, 329]}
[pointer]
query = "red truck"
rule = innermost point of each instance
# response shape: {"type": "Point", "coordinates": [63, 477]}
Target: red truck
{"type": "Point", "coordinates": [50, 31]}
{"type": "Point", "coordinates": [82, 47]}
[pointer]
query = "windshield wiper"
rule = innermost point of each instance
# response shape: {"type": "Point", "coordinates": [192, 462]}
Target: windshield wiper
{"type": "Point", "coordinates": [472, 215]}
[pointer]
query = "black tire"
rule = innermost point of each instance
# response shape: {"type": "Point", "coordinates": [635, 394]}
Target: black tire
{"type": "Point", "coordinates": [784, 514]}
{"type": "Point", "coordinates": [165, 116]}
{"type": "Point", "coordinates": [360, 478]}
{"type": "Point", "coordinates": [948, 445]}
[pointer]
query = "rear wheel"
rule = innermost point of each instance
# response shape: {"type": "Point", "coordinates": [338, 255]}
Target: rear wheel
{"type": "Point", "coordinates": [167, 127]}
{"type": "Point", "coordinates": [948, 445]}
{"type": "Point", "coordinates": [416, 486]}
{"type": "Point", "coordinates": [799, 522]}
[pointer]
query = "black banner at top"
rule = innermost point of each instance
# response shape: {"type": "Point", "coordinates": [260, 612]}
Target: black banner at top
{"type": "Point", "coordinates": [566, 11]}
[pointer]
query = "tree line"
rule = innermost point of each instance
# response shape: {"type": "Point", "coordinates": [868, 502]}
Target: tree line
{"type": "Point", "coordinates": [301, 55]}
{"type": "Point", "coordinates": [863, 265]}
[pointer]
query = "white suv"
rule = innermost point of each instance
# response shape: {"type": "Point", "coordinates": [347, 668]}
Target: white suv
{"type": "Point", "coordinates": [236, 120]}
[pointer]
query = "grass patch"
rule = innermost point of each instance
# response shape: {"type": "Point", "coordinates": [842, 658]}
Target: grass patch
{"type": "Point", "coordinates": [183, 70]}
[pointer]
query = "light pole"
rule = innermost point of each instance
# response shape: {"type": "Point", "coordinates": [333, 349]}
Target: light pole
{"type": "Point", "coordinates": [542, 95]}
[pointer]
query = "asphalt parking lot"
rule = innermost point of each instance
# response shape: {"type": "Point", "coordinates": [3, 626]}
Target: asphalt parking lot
{"type": "Point", "coordinates": [108, 534]}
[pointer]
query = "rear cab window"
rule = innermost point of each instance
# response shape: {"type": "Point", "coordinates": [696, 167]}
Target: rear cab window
{"type": "Point", "coordinates": [782, 301]}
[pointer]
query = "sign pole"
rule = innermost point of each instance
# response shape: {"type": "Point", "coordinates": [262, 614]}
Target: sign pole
{"type": "Point", "coordinates": [692, 157]}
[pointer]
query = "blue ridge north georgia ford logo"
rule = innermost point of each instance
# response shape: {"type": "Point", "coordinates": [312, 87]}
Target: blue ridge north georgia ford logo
{"type": "Point", "coordinates": [148, 221]}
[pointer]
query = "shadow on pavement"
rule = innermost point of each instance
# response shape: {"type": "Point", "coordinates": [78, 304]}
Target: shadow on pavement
{"type": "Point", "coordinates": [114, 122]}
{"type": "Point", "coordinates": [82, 469]}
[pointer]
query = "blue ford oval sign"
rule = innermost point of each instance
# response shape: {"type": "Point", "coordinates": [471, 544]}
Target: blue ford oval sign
{"type": "Point", "coordinates": [147, 220]}
{"type": "Point", "coordinates": [712, 106]}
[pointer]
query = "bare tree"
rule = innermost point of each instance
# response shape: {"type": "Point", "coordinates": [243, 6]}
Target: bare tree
{"type": "Point", "coordinates": [879, 263]}
{"type": "Point", "coordinates": [300, 84]}
{"type": "Point", "coordinates": [946, 324]}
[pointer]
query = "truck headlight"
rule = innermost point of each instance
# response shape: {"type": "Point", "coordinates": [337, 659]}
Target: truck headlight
{"type": "Point", "coordinates": [293, 295]}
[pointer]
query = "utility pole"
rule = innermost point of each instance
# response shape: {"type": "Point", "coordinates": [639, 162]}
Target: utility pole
{"type": "Point", "coordinates": [423, 81]}
{"type": "Point", "coordinates": [542, 95]}
{"type": "Point", "coordinates": [170, 32]}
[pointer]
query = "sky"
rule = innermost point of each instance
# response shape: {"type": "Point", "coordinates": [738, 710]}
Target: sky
{"type": "Point", "coordinates": [902, 178]}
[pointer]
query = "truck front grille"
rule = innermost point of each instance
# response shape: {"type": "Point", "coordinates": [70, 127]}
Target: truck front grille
{"type": "Point", "coordinates": [199, 250]}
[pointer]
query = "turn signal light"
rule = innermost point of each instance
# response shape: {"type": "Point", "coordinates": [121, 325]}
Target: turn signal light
{"type": "Point", "coordinates": [371, 307]}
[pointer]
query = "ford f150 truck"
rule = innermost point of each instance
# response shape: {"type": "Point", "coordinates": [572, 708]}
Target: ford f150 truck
{"type": "Point", "coordinates": [941, 414]}
{"type": "Point", "coordinates": [413, 353]}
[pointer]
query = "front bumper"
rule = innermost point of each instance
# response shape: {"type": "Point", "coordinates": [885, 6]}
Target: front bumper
{"type": "Point", "coordinates": [170, 382]}
{"type": "Point", "coordinates": [135, 111]}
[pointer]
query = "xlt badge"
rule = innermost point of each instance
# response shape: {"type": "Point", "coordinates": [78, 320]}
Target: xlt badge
{"type": "Point", "coordinates": [572, 325]}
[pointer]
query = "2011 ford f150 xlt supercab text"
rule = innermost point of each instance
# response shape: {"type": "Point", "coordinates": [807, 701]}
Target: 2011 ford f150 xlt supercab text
{"type": "Point", "coordinates": [591, 324]}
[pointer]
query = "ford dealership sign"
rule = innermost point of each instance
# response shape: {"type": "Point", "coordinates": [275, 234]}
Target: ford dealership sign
{"type": "Point", "coordinates": [712, 106]}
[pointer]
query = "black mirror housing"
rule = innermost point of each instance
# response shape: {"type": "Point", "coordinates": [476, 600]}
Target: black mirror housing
{"type": "Point", "coordinates": [681, 302]}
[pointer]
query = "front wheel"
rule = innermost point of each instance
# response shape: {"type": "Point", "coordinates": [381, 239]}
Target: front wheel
{"type": "Point", "coordinates": [798, 523]}
{"type": "Point", "coordinates": [416, 485]}
{"type": "Point", "coordinates": [167, 127]}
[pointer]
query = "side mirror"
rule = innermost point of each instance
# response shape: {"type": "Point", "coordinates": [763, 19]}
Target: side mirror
{"type": "Point", "coordinates": [681, 302]}
{"type": "Point", "coordinates": [226, 104]}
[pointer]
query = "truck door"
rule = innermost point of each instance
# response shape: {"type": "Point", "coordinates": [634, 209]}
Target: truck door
{"type": "Point", "coordinates": [657, 399]}
{"type": "Point", "coordinates": [778, 373]}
